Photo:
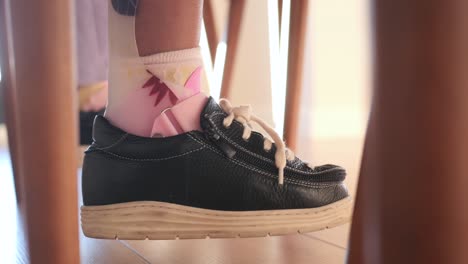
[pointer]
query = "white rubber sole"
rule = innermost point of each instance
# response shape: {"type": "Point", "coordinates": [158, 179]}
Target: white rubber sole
{"type": "Point", "coordinates": [160, 221]}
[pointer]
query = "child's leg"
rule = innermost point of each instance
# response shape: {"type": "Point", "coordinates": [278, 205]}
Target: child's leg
{"type": "Point", "coordinates": [155, 62]}
{"type": "Point", "coordinates": [167, 25]}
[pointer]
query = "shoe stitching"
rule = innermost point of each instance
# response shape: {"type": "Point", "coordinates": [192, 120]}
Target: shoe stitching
{"type": "Point", "coordinates": [122, 138]}
{"type": "Point", "coordinates": [289, 180]}
{"type": "Point", "coordinates": [314, 185]}
{"type": "Point", "coordinates": [247, 118]}
{"type": "Point", "coordinates": [215, 113]}
{"type": "Point", "coordinates": [224, 215]}
{"type": "Point", "coordinates": [204, 145]}
{"type": "Point", "coordinates": [248, 151]}
{"type": "Point", "coordinates": [151, 159]}
{"type": "Point", "coordinates": [259, 156]}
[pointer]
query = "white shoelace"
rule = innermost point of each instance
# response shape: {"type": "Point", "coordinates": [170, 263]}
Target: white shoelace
{"type": "Point", "coordinates": [244, 115]}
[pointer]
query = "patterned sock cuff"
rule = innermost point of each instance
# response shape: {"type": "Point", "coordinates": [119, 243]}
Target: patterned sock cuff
{"type": "Point", "coordinates": [177, 56]}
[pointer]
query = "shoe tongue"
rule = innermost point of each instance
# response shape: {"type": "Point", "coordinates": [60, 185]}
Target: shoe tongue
{"type": "Point", "coordinates": [211, 107]}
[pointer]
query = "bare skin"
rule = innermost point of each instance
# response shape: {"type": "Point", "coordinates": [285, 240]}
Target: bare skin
{"type": "Point", "coordinates": [167, 25]}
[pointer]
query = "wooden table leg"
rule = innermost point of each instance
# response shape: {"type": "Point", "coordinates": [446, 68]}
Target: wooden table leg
{"type": "Point", "coordinates": [47, 127]}
{"type": "Point", "coordinates": [236, 10]}
{"type": "Point", "coordinates": [297, 38]}
{"type": "Point", "coordinates": [9, 93]}
{"type": "Point", "coordinates": [412, 203]}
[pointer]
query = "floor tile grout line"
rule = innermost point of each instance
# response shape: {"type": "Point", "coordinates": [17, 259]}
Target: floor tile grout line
{"type": "Point", "coordinates": [125, 244]}
{"type": "Point", "coordinates": [324, 241]}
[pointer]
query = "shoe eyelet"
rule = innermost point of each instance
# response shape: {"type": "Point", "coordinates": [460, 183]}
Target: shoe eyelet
{"type": "Point", "coordinates": [267, 150]}
{"type": "Point", "coordinates": [224, 125]}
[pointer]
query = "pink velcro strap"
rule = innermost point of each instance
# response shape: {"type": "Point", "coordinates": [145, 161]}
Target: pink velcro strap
{"type": "Point", "coordinates": [182, 117]}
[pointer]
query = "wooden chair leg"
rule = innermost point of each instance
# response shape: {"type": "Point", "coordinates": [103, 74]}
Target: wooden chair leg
{"type": "Point", "coordinates": [47, 127]}
{"type": "Point", "coordinates": [210, 27]}
{"type": "Point", "coordinates": [236, 10]}
{"type": "Point", "coordinates": [297, 34]}
{"type": "Point", "coordinates": [280, 15]}
{"type": "Point", "coordinates": [9, 93]}
{"type": "Point", "coordinates": [412, 204]}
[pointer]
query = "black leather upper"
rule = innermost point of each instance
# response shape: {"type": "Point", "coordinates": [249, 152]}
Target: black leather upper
{"type": "Point", "coordinates": [213, 169]}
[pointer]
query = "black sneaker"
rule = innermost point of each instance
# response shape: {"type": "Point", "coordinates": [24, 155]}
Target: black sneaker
{"type": "Point", "coordinates": [223, 182]}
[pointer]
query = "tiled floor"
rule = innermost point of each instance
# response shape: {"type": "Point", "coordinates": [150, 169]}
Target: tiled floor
{"type": "Point", "coordinates": [327, 247]}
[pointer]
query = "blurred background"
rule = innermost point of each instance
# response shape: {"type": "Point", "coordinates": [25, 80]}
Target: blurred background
{"type": "Point", "coordinates": [337, 65]}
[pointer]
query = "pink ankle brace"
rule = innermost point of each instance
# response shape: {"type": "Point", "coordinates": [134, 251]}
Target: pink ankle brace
{"type": "Point", "coordinates": [182, 117]}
